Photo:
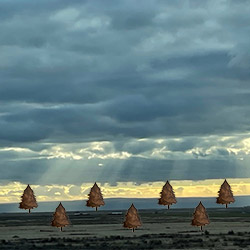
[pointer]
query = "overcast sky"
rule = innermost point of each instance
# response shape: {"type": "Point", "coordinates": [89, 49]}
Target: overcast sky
{"type": "Point", "coordinates": [124, 91]}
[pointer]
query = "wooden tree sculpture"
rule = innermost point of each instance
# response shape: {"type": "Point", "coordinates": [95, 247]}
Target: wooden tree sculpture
{"type": "Point", "coordinates": [167, 195]}
{"type": "Point", "coordinates": [132, 219]}
{"type": "Point", "coordinates": [225, 194]}
{"type": "Point", "coordinates": [95, 197]}
{"type": "Point", "coordinates": [28, 199]}
{"type": "Point", "coordinates": [60, 218]}
{"type": "Point", "coordinates": [200, 217]}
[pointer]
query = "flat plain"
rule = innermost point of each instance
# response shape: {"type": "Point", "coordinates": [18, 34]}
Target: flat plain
{"type": "Point", "coordinates": [161, 229]}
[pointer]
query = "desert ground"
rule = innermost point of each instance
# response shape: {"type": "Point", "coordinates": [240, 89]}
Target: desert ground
{"type": "Point", "coordinates": [161, 229]}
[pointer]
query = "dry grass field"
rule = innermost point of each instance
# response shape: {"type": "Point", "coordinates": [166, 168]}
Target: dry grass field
{"type": "Point", "coordinates": [161, 229]}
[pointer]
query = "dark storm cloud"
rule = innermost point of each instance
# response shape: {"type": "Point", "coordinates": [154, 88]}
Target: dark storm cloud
{"type": "Point", "coordinates": [87, 71]}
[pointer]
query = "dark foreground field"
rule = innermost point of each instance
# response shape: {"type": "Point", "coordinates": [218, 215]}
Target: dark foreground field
{"type": "Point", "coordinates": [161, 229]}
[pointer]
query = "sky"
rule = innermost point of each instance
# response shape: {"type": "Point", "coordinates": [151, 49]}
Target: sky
{"type": "Point", "coordinates": [125, 94]}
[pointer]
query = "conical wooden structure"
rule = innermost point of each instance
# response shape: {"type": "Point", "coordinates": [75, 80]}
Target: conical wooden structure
{"type": "Point", "coordinates": [60, 218]}
{"type": "Point", "coordinates": [225, 194]}
{"type": "Point", "coordinates": [200, 217]}
{"type": "Point", "coordinates": [132, 219]}
{"type": "Point", "coordinates": [167, 196]}
{"type": "Point", "coordinates": [95, 197]}
{"type": "Point", "coordinates": [28, 199]}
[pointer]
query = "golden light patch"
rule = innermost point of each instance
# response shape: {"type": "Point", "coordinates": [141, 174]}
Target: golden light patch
{"type": "Point", "coordinates": [183, 188]}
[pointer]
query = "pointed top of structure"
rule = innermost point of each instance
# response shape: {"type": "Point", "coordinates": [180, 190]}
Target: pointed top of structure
{"type": "Point", "coordinates": [200, 204]}
{"type": "Point", "coordinates": [225, 184]}
{"type": "Point", "coordinates": [132, 208]}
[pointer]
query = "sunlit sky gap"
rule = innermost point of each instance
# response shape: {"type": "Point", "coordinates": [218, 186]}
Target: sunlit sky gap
{"type": "Point", "coordinates": [185, 188]}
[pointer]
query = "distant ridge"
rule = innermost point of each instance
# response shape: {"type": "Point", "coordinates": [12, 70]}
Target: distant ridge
{"type": "Point", "coordinates": [124, 204]}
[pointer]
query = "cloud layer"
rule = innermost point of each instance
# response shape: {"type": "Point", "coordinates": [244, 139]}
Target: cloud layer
{"type": "Point", "coordinates": [117, 92]}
